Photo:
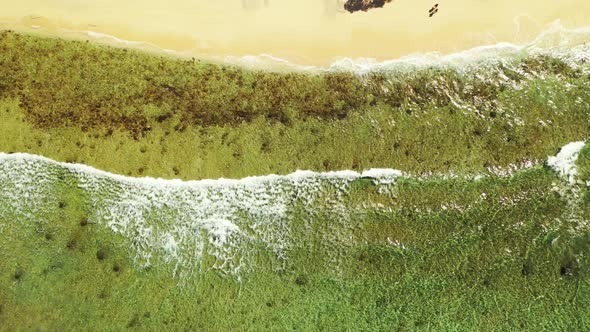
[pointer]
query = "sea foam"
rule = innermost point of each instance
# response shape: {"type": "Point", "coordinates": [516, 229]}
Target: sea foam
{"type": "Point", "coordinates": [180, 222]}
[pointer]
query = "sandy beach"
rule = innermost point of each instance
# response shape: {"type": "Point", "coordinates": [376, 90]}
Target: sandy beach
{"type": "Point", "coordinates": [314, 32]}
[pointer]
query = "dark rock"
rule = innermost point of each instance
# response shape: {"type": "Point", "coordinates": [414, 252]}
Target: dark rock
{"type": "Point", "coordinates": [101, 254]}
{"type": "Point", "coordinates": [71, 244]}
{"type": "Point", "coordinates": [364, 5]}
{"type": "Point", "coordinates": [301, 280]}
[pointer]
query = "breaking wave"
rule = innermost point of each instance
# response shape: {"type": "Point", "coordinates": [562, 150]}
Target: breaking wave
{"type": "Point", "coordinates": [181, 222]}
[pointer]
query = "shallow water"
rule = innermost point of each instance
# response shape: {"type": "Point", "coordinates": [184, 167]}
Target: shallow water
{"type": "Point", "coordinates": [306, 32]}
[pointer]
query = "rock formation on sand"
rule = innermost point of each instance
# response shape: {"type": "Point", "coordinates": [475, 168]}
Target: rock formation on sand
{"type": "Point", "coordinates": [364, 5]}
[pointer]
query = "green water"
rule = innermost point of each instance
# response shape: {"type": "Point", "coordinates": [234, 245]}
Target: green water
{"type": "Point", "coordinates": [477, 234]}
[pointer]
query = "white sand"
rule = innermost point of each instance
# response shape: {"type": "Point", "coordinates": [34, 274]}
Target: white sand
{"type": "Point", "coordinates": [314, 32]}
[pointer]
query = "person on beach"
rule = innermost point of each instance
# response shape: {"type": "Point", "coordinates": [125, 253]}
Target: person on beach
{"type": "Point", "coordinates": [433, 10]}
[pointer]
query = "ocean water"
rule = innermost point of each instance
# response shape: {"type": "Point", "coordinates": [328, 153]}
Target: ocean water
{"type": "Point", "coordinates": [273, 224]}
{"type": "Point", "coordinates": [220, 215]}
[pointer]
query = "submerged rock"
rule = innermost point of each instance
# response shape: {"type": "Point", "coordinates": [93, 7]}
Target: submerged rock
{"type": "Point", "coordinates": [364, 5]}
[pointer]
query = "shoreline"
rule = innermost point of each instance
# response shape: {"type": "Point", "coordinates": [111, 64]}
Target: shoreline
{"type": "Point", "coordinates": [555, 37]}
{"type": "Point", "coordinates": [214, 31]}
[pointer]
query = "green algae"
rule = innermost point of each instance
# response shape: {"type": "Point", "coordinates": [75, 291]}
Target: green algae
{"type": "Point", "coordinates": [78, 102]}
{"type": "Point", "coordinates": [431, 253]}
{"type": "Point", "coordinates": [494, 253]}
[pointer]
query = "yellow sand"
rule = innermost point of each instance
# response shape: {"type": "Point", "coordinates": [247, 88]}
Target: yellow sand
{"type": "Point", "coordinates": [302, 31]}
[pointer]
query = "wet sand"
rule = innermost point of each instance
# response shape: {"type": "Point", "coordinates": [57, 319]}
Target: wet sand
{"type": "Point", "coordinates": [314, 32]}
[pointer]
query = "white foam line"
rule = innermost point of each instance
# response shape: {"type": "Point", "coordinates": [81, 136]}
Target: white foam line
{"type": "Point", "coordinates": [374, 173]}
{"type": "Point", "coordinates": [565, 161]}
{"type": "Point", "coordinates": [99, 35]}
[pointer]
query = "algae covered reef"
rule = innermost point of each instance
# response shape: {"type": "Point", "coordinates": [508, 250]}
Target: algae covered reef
{"type": "Point", "coordinates": [77, 102]}
{"type": "Point", "coordinates": [86, 249]}
{"type": "Point", "coordinates": [434, 197]}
